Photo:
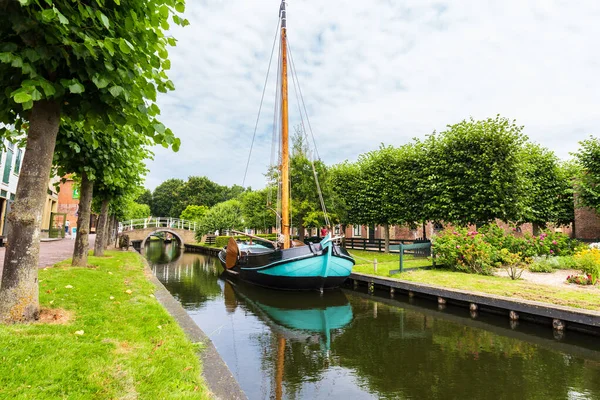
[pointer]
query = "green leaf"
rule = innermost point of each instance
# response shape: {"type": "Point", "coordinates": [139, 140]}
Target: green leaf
{"type": "Point", "coordinates": [160, 128]}
{"type": "Point", "coordinates": [109, 46]}
{"type": "Point", "coordinates": [48, 14]}
{"type": "Point", "coordinates": [100, 81]}
{"type": "Point", "coordinates": [115, 90]}
{"type": "Point", "coordinates": [17, 62]}
{"type": "Point", "coordinates": [103, 18]}
{"type": "Point", "coordinates": [36, 95]}
{"type": "Point", "coordinates": [22, 97]}
{"type": "Point", "coordinates": [61, 18]}
{"type": "Point", "coordinates": [76, 88]}
{"type": "Point", "coordinates": [28, 105]}
{"type": "Point", "coordinates": [123, 46]}
{"type": "Point", "coordinates": [180, 7]}
{"type": "Point", "coordinates": [48, 88]}
{"type": "Point", "coordinates": [6, 57]}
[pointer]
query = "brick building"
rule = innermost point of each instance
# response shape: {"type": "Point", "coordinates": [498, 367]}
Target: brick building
{"type": "Point", "coordinates": [587, 224]}
{"type": "Point", "coordinates": [68, 202]}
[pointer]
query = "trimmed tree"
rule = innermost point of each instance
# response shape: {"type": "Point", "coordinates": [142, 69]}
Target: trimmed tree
{"type": "Point", "coordinates": [476, 172]}
{"type": "Point", "coordinates": [588, 189]}
{"type": "Point", "coordinates": [549, 194]}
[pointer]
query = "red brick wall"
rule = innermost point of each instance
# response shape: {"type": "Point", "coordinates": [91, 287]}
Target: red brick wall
{"type": "Point", "coordinates": [587, 224]}
{"type": "Point", "coordinates": [66, 202]}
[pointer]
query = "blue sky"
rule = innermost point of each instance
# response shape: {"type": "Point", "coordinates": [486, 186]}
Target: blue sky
{"type": "Point", "coordinates": [377, 71]}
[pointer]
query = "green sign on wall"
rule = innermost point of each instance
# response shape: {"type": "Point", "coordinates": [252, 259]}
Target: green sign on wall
{"type": "Point", "coordinates": [75, 192]}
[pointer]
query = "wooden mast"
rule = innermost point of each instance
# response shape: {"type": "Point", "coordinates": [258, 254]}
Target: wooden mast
{"type": "Point", "coordinates": [285, 155]}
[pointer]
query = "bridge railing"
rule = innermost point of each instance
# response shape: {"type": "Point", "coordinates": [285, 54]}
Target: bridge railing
{"type": "Point", "coordinates": [158, 222]}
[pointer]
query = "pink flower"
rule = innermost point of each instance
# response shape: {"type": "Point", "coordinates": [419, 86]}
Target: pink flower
{"type": "Point", "coordinates": [554, 242]}
{"type": "Point", "coordinates": [457, 246]}
{"type": "Point", "coordinates": [551, 251]}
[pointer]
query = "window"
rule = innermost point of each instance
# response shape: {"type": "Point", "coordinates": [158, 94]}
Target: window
{"type": "Point", "coordinates": [356, 230]}
{"type": "Point", "coordinates": [12, 196]}
{"type": "Point", "coordinates": [3, 193]}
{"type": "Point", "coordinates": [18, 161]}
{"type": "Point", "coordinates": [8, 165]}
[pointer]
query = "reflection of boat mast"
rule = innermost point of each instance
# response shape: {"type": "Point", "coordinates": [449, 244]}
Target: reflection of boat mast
{"type": "Point", "coordinates": [279, 368]}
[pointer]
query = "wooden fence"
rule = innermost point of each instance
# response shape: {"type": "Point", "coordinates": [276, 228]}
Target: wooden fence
{"type": "Point", "coordinates": [377, 244]}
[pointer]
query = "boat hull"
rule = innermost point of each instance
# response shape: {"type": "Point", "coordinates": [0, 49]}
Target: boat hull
{"type": "Point", "coordinates": [302, 268]}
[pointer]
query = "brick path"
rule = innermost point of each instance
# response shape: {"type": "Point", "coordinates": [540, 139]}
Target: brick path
{"type": "Point", "coordinates": [53, 252]}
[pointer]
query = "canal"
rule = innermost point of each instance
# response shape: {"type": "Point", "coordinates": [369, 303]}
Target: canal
{"type": "Point", "coordinates": [349, 345]}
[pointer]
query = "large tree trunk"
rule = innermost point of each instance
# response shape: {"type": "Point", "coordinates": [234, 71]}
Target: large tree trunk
{"type": "Point", "coordinates": [101, 229]}
{"type": "Point", "coordinates": [19, 277]}
{"type": "Point", "coordinates": [82, 242]}
{"type": "Point", "coordinates": [301, 234]}
{"type": "Point", "coordinates": [386, 231]}
{"type": "Point", "coordinates": [108, 231]}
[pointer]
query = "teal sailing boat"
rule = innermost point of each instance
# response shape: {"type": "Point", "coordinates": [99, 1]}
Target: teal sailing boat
{"type": "Point", "coordinates": [287, 264]}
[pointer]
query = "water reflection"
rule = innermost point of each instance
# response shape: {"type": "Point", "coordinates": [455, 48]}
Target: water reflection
{"type": "Point", "coordinates": [293, 315]}
{"type": "Point", "coordinates": [352, 345]}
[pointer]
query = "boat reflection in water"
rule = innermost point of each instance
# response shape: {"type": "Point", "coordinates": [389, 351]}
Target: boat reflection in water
{"type": "Point", "coordinates": [292, 315]}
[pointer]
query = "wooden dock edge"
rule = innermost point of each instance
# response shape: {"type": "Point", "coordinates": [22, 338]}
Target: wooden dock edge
{"type": "Point", "coordinates": [555, 316]}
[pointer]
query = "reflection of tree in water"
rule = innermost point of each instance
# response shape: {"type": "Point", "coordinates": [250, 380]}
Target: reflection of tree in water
{"type": "Point", "coordinates": [192, 279]}
{"type": "Point", "coordinates": [159, 253]}
{"type": "Point", "coordinates": [403, 353]}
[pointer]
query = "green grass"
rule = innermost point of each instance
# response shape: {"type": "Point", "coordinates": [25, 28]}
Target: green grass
{"type": "Point", "coordinates": [385, 262]}
{"type": "Point", "coordinates": [587, 298]}
{"type": "Point", "coordinates": [131, 347]}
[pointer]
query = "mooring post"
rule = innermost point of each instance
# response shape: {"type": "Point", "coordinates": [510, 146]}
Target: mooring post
{"type": "Point", "coordinates": [513, 315]}
{"type": "Point", "coordinates": [371, 287]}
{"type": "Point", "coordinates": [558, 324]}
{"type": "Point", "coordinates": [392, 292]}
{"type": "Point", "coordinates": [401, 256]}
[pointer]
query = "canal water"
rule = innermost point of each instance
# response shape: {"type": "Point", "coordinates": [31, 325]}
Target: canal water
{"type": "Point", "coordinates": [349, 345]}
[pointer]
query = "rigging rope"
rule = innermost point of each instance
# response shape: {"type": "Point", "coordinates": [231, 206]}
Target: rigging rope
{"type": "Point", "coordinates": [296, 81]}
{"type": "Point", "coordinates": [261, 102]}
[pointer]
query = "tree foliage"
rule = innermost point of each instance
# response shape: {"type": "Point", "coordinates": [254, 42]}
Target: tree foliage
{"type": "Point", "coordinates": [475, 172]}
{"type": "Point", "coordinates": [549, 187]}
{"type": "Point", "coordinates": [145, 198]}
{"type": "Point", "coordinates": [588, 157]}
{"type": "Point", "coordinates": [102, 61]}
{"type": "Point", "coordinates": [165, 198]}
{"type": "Point", "coordinates": [222, 217]}
{"type": "Point", "coordinates": [255, 211]}
{"type": "Point", "coordinates": [194, 213]}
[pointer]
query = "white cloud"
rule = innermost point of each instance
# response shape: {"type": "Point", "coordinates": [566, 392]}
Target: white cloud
{"type": "Point", "coordinates": [377, 71]}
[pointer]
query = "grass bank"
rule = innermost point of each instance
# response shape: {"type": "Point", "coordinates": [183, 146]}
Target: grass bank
{"type": "Point", "coordinates": [112, 340]}
{"type": "Point", "coordinates": [385, 262]}
{"type": "Point", "coordinates": [584, 297]}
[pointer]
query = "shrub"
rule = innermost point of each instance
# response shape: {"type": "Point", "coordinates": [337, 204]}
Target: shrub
{"type": "Point", "coordinates": [464, 251]}
{"type": "Point", "coordinates": [589, 262]}
{"type": "Point", "coordinates": [567, 262]}
{"type": "Point", "coordinates": [582, 280]}
{"type": "Point", "coordinates": [544, 264]}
